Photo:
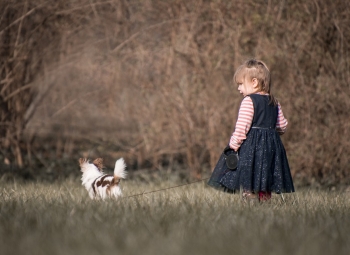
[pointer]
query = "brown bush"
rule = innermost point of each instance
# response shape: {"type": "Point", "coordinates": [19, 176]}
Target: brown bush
{"type": "Point", "coordinates": [151, 80]}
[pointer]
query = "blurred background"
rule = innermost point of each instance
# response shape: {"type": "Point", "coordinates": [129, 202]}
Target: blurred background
{"type": "Point", "coordinates": [151, 81]}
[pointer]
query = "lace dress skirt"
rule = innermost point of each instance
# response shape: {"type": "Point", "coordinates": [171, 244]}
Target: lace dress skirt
{"type": "Point", "coordinates": [262, 166]}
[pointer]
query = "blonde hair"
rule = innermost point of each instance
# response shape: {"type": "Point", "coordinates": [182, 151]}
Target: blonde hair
{"type": "Point", "coordinates": [257, 69]}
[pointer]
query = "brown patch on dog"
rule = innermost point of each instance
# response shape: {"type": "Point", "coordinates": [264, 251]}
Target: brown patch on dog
{"type": "Point", "coordinates": [109, 183]}
{"type": "Point", "coordinates": [102, 181]}
{"type": "Point", "coordinates": [93, 187]}
{"type": "Point", "coordinates": [116, 180]}
{"type": "Point", "coordinates": [98, 163]}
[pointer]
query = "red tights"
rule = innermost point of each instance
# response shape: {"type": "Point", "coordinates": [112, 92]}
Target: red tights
{"type": "Point", "coordinates": [264, 195]}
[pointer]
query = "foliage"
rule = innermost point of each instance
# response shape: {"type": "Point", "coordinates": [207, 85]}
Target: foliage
{"type": "Point", "coordinates": [152, 80]}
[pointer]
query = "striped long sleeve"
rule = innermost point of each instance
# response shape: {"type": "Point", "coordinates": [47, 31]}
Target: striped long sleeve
{"type": "Point", "coordinates": [282, 122]}
{"type": "Point", "coordinates": [243, 124]}
{"type": "Point", "coordinates": [245, 119]}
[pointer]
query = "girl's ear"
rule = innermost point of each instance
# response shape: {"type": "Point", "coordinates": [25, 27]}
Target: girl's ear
{"type": "Point", "coordinates": [255, 82]}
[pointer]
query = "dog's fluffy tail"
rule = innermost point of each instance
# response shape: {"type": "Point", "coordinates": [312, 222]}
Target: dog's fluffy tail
{"type": "Point", "coordinates": [119, 169]}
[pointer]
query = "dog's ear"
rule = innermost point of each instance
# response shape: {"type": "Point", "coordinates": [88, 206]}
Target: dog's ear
{"type": "Point", "coordinates": [82, 161]}
{"type": "Point", "coordinates": [98, 163]}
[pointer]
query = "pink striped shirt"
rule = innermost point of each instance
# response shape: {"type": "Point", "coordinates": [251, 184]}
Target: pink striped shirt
{"type": "Point", "coordinates": [245, 119]}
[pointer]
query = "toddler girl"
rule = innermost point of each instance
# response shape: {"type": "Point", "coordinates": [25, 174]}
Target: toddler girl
{"type": "Point", "coordinates": [263, 165]}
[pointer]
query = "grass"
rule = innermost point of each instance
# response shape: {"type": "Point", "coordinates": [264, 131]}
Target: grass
{"type": "Point", "coordinates": [59, 218]}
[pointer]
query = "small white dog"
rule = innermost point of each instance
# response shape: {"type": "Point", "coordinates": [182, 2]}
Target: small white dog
{"type": "Point", "coordinates": [98, 184]}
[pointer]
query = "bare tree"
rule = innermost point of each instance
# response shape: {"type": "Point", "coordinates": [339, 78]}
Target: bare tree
{"type": "Point", "coordinates": [27, 33]}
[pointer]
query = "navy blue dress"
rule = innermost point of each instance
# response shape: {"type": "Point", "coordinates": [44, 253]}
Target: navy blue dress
{"type": "Point", "coordinates": [263, 163]}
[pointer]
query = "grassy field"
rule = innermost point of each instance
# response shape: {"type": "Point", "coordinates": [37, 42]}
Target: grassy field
{"type": "Point", "coordinates": [59, 218]}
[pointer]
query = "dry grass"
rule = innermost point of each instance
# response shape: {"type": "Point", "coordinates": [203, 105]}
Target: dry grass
{"type": "Point", "coordinates": [151, 80]}
{"type": "Point", "coordinates": [37, 218]}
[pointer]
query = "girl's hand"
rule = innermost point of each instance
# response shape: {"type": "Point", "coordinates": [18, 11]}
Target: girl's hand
{"type": "Point", "coordinates": [280, 131]}
{"type": "Point", "coordinates": [233, 146]}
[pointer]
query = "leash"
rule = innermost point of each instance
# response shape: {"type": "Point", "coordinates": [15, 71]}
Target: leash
{"type": "Point", "coordinates": [173, 187]}
{"type": "Point", "coordinates": [154, 191]}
